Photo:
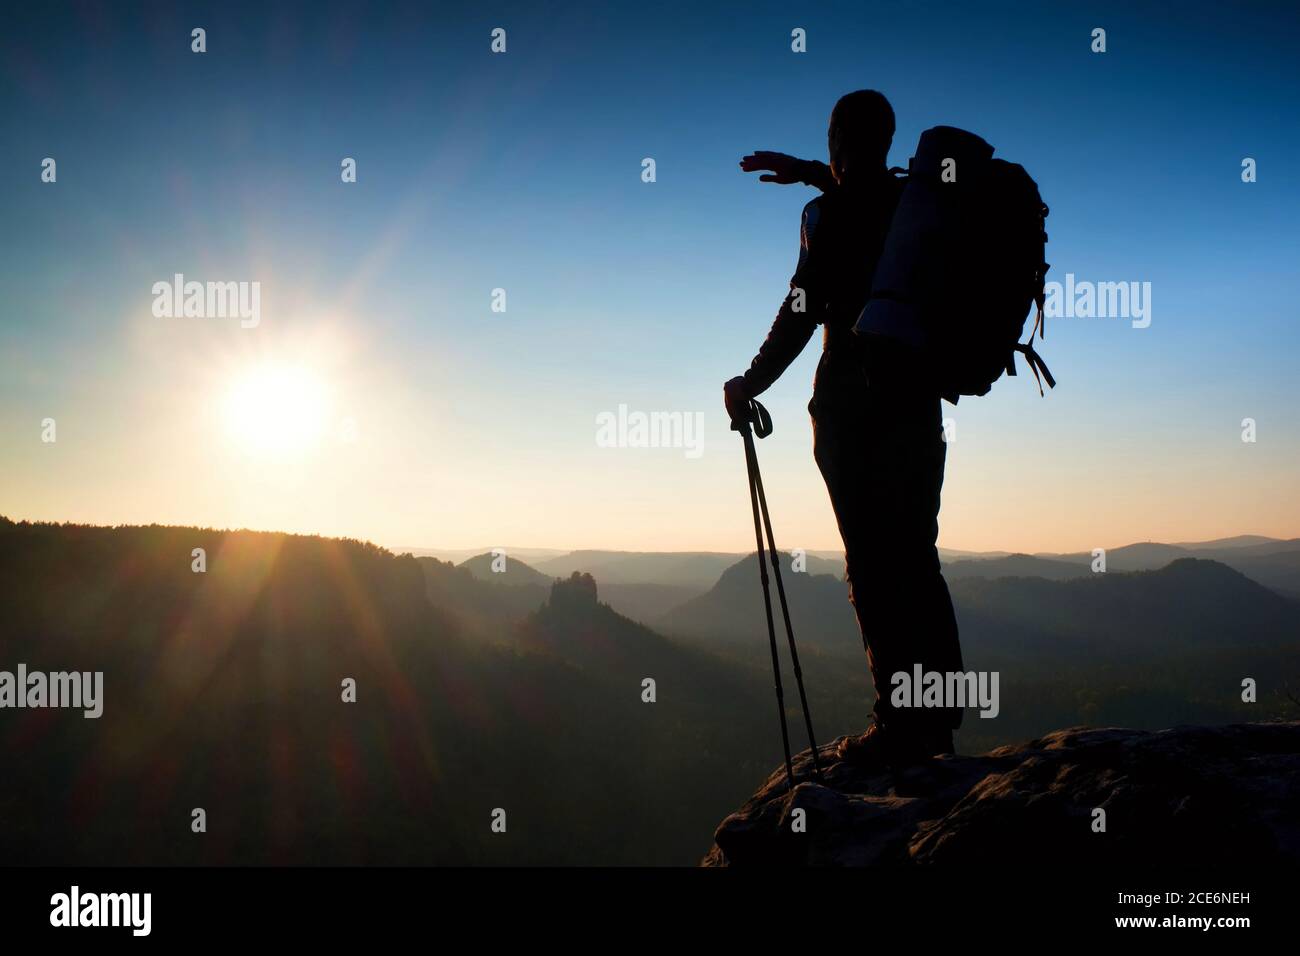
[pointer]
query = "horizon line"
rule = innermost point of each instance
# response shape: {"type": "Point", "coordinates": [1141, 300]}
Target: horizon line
{"type": "Point", "coordinates": [562, 551]}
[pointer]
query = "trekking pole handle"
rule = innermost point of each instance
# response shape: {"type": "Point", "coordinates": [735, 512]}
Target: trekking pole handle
{"type": "Point", "coordinates": [755, 415]}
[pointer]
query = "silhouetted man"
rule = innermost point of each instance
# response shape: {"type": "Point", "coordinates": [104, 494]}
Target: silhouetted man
{"type": "Point", "coordinates": [877, 425]}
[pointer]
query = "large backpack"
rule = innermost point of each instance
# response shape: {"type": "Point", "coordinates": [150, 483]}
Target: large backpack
{"type": "Point", "coordinates": [962, 264]}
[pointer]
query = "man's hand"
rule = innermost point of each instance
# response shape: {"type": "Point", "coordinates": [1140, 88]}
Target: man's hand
{"type": "Point", "coordinates": [735, 394]}
{"type": "Point", "coordinates": [784, 169]}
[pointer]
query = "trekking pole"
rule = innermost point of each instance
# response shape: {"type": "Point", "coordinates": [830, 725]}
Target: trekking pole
{"type": "Point", "coordinates": [751, 466]}
{"type": "Point", "coordinates": [762, 424]}
{"type": "Point", "coordinates": [785, 614]}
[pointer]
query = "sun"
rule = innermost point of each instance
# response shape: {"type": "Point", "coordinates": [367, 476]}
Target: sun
{"type": "Point", "coordinates": [275, 408]}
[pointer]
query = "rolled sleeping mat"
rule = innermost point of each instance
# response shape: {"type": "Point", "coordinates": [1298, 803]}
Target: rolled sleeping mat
{"type": "Point", "coordinates": [916, 261]}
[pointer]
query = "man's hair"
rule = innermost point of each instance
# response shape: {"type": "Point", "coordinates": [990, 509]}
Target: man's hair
{"type": "Point", "coordinates": [865, 121]}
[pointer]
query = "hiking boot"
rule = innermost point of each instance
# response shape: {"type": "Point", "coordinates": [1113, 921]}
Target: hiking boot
{"type": "Point", "coordinates": [881, 748]}
{"type": "Point", "coordinates": [864, 749]}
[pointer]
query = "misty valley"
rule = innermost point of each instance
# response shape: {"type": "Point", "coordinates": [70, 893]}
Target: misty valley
{"type": "Point", "coordinates": [523, 690]}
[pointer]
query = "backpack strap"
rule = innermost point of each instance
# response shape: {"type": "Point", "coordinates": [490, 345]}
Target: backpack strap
{"type": "Point", "coordinates": [1040, 300]}
{"type": "Point", "coordinates": [1035, 363]}
{"type": "Point", "coordinates": [1032, 358]}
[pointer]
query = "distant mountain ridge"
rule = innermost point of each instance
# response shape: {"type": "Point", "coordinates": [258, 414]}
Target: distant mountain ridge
{"type": "Point", "coordinates": [641, 601]}
{"type": "Point", "coordinates": [1273, 562]}
{"type": "Point", "coordinates": [1189, 607]}
{"type": "Point", "coordinates": [695, 570]}
{"type": "Point", "coordinates": [513, 572]}
{"type": "Point", "coordinates": [1014, 566]}
{"type": "Point", "coordinates": [679, 576]}
{"type": "Point", "coordinates": [732, 610]}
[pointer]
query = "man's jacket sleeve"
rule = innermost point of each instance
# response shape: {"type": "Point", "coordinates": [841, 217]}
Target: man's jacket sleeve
{"type": "Point", "coordinates": [815, 174]}
{"type": "Point", "coordinates": [797, 318]}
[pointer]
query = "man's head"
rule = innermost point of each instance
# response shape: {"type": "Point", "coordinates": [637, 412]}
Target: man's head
{"type": "Point", "coordinates": [861, 131]}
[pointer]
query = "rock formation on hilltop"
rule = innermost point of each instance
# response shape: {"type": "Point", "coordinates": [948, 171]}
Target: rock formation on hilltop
{"type": "Point", "coordinates": [1191, 795]}
{"type": "Point", "coordinates": [575, 593]}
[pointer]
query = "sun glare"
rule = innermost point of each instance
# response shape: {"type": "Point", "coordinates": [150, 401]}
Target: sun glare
{"type": "Point", "coordinates": [276, 409]}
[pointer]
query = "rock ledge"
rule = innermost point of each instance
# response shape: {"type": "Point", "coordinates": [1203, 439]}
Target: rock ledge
{"type": "Point", "coordinates": [1197, 795]}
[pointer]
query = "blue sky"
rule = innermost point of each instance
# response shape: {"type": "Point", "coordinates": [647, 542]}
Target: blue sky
{"type": "Point", "coordinates": [522, 171]}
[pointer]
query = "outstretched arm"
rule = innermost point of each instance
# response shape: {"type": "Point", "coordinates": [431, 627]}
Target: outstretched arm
{"type": "Point", "coordinates": [785, 169]}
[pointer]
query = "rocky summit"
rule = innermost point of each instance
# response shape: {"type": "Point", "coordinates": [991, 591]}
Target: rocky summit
{"type": "Point", "coordinates": [1190, 795]}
